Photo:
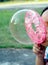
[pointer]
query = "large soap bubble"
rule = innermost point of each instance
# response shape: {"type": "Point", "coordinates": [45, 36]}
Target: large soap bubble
{"type": "Point", "coordinates": [17, 27]}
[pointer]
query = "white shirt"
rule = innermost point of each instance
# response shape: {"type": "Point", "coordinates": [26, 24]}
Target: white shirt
{"type": "Point", "coordinates": [46, 53]}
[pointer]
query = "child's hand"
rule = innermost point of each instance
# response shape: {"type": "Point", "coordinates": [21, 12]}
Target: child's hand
{"type": "Point", "coordinates": [39, 50]}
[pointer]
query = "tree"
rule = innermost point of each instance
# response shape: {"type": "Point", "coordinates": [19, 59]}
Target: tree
{"type": "Point", "coordinates": [1, 0]}
{"type": "Point", "coordinates": [4, 0]}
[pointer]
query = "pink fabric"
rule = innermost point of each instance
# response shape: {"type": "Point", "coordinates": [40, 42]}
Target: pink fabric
{"type": "Point", "coordinates": [39, 35]}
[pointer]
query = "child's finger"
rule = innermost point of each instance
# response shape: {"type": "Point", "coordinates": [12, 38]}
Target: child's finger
{"type": "Point", "coordinates": [36, 50]}
{"type": "Point", "coordinates": [36, 46]}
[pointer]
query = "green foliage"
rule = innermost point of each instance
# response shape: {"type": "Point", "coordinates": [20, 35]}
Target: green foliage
{"type": "Point", "coordinates": [1, 0]}
{"type": "Point", "coordinates": [4, 0]}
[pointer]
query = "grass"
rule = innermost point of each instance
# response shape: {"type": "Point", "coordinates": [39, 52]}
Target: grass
{"type": "Point", "coordinates": [6, 39]}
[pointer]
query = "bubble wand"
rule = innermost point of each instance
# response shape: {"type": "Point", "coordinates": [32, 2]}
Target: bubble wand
{"type": "Point", "coordinates": [39, 35]}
